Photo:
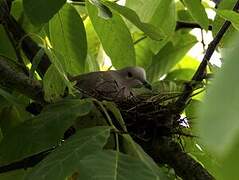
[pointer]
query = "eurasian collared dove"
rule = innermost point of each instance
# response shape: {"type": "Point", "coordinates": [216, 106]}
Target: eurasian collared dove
{"type": "Point", "coordinates": [113, 85]}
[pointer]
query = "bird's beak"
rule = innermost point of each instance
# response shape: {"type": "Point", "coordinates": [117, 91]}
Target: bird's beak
{"type": "Point", "coordinates": [147, 85]}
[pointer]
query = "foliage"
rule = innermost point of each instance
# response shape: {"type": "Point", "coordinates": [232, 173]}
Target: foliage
{"type": "Point", "coordinates": [79, 37]}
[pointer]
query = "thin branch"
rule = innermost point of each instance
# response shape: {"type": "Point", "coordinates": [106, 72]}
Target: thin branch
{"type": "Point", "coordinates": [181, 25]}
{"type": "Point", "coordinates": [200, 73]}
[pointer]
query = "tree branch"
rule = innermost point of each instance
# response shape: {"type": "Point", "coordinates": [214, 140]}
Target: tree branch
{"type": "Point", "coordinates": [29, 47]}
{"type": "Point", "coordinates": [200, 73]}
{"type": "Point", "coordinates": [170, 152]}
{"type": "Point", "coordinates": [18, 81]}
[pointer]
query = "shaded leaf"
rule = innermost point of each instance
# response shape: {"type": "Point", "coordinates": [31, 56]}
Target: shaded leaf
{"type": "Point", "coordinates": [6, 48]}
{"type": "Point", "coordinates": [112, 165]}
{"type": "Point", "coordinates": [43, 131]}
{"type": "Point", "coordinates": [41, 11]}
{"type": "Point", "coordinates": [133, 149]}
{"type": "Point", "coordinates": [65, 160]}
{"type": "Point", "coordinates": [220, 107]}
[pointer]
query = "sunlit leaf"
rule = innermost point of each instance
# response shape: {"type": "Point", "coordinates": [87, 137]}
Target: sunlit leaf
{"type": "Point", "coordinates": [114, 36]}
{"type": "Point", "coordinates": [198, 12]}
{"type": "Point", "coordinates": [159, 13]}
{"type": "Point", "coordinates": [68, 37]}
{"type": "Point", "coordinates": [231, 16]}
{"type": "Point", "coordinates": [148, 29]}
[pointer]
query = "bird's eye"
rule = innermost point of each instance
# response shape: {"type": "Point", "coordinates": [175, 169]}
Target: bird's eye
{"type": "Point", "coordinates": [130, 74]}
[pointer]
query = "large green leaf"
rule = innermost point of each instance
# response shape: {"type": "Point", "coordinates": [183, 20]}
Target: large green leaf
{"type": "Point", "coordinates": [41, 11]}
{"type": "Point", "coordinates": [68, 37]}
{"type": "Point", "coordinates": [218, 123]}
{"type": "Point", "coordinates": [148, 29]}
{"type": "Point", "coordinates": [114, 36]}
{"type": "Point", "coordinates": [198, 12]}
{"type": "Point", "coordinates": [114, 165]}
{"type": "Point", "coordinates": [43, 131]}
{"type": "Point", "coordinates": [159, 13]}
{"type": "Point", "coordinates": [65, 160]}
{"type": "Point", "coordinates": [170, 55]}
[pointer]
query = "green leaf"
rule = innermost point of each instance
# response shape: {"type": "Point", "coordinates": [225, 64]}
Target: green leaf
{"type": "Point", "coordinates": [159, 13]}
{"type": "Point", "coordinates": [231, 16]}
{"type": "Point", "coordinates": [35, 62]}
{"type": "Point", "coordinates": [110, 106]}
{"type": "Point", "coordinates": [41, 11]}
{"type": "Point", "coordinates": [65, 160]}
{"type": "Point", "coordinates": [192, 109]}
{"type": "Point", "coordinates": [13, 175]}
{"type": "Point", "coordinates": [6, 48]}
{"type": "Point", "coordinates": [198, 12]}
{"type": "Point", "coordinates": [43, 131]}
{"type": "Point", "coordinates": [11, 98]}
{"type": "Point", "coordinates": [53, 85]}
{"type": "Point", "coordinates": [170, 55]}
{"type": "Point", "coordinates": [218, 123]}
{"type": "Point", "coordinates": [57, 59]}
{"type": "Point", "coordinates": [180, 74]}
{"type": "Point", "coordinates": [103, 11]}
{"type": "Point", "coordinates": [218, 22]}
{"type": "Point", "coordinates": [68, 37]}
{"type": "Point", "coordinates": [148, 29]}
{"type": "Point", "coordinates": [114, 165]}
{"type": "Point", "coordinates": [133, 149]}
{"type": "Point", "coordinates": [114, 36]}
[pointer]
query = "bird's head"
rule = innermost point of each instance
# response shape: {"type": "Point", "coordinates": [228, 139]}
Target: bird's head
{"type": "Point", "coordinates": [134, 77]}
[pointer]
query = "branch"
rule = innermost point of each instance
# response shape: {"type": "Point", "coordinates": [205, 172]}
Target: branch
{"type": "Point", "coordinates": [170, 152]}
{"type": "Point", "coordinates": [29, 47]}
{"type": "Point", "coordinates": [181, 24]}
{"type": "Point", "coordinates": [18, 81]}
{"type": "Point", "coordinates": [200, 73]}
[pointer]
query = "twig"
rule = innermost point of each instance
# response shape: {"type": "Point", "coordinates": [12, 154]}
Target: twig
{"type": "Point", "coordinates": [181, 25]}
{"type": "Point", "coordinates": [200, 73]}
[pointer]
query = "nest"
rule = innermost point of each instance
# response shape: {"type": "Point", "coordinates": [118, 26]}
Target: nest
{"type": "Point", "coordinates": [151, 116]}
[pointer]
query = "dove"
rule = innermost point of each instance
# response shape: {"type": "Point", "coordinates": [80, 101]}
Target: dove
{"type": "Point", "coordinates": [113, 85]}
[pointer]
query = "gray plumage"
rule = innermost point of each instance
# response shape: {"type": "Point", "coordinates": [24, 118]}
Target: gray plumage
{"type": "Point", "coordinates": [113, 85]}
